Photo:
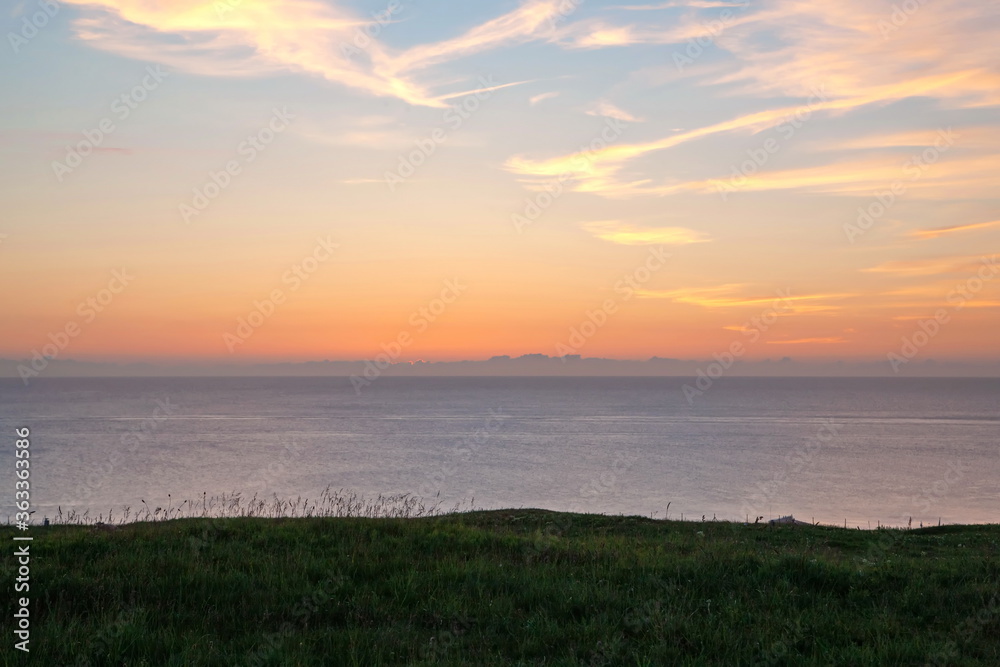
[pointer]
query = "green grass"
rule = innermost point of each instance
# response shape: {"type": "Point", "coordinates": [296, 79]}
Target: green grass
{"type": "Point", "coordinates": [524, 587]}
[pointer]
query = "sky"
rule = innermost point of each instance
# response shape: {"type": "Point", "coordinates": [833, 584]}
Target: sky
{"type": "Point", "coordinates": [242, 181]}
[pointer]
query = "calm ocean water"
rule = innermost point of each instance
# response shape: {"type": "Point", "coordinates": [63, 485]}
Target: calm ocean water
{"type": "Point", "coordinates": [825, 449]}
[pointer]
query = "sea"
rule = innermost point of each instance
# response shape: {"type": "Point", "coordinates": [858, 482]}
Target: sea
{"type": "Point", "coordinates": [860, 452]}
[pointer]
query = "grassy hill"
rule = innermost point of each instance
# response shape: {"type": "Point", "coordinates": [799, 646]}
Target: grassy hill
{"type": "Point", "coordinates": [526, 587]}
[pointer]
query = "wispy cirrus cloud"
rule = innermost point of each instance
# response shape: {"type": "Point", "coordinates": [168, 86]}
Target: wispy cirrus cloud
{"type": "Point", "coordinates": [616, 231]}
{"type": "Point", "coordinates": [531, 20]}
{"type": "Point", "coordinates": [956, 176]}
{"type": "Point", "coordinates": [851, 51]}
{"type": "Point", "coordinates": [982, 138]}
{"type": "Point", "coordinates": [609, 110]}
{"type": "Point", "coordinates": [601, 171]}
{"type": "Point", "coordinates": [257, 37]}
{"type": "Point", "coordinates": [698, 4]}
{"type": "Point", "coordinates": [597, 171]}
{"type": "Point", "coordinates": [541, 97]}
{"type": "Point", "coordinates": [599, 34]}
{"type": "Point", "coordinates": [821, 340]}
{"type": "Point", "coordinates": [924, 234]}
{"type": "Point", "coordinates": [737, 295]}
{"type": "Point", "coordinates": [929, 266]}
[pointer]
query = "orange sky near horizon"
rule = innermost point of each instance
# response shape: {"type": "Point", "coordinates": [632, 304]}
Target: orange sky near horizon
{"type": "Point", "coordinates": [814, 180]}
